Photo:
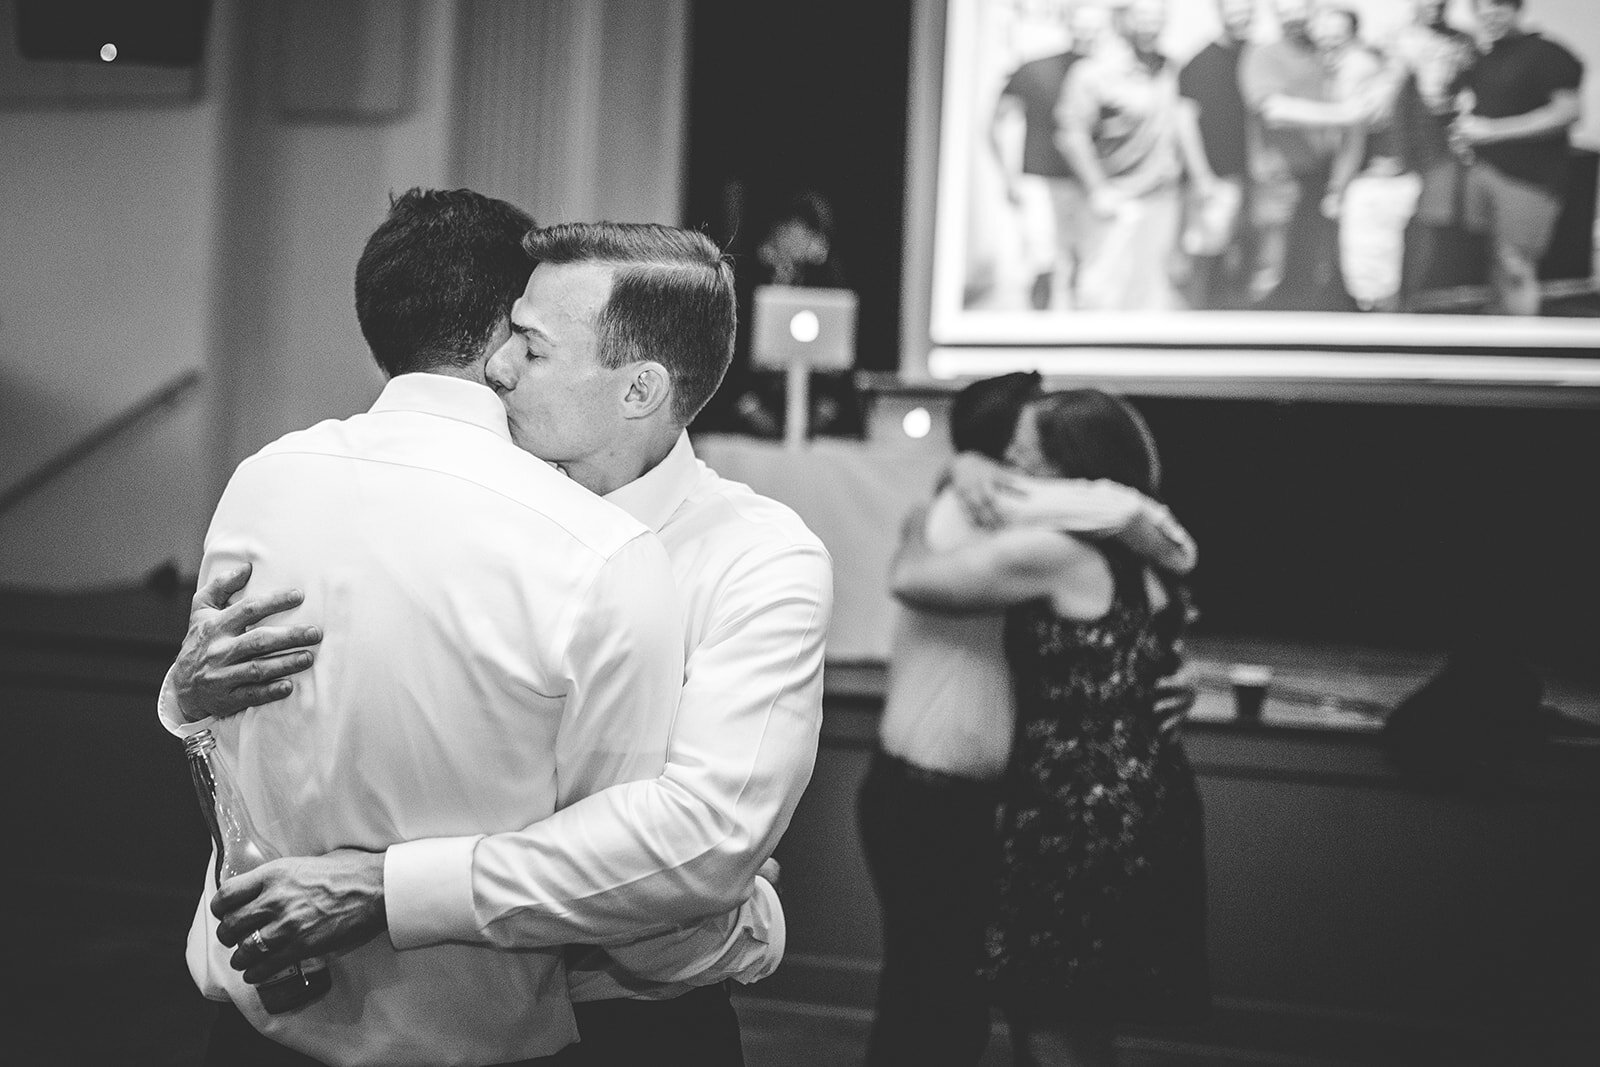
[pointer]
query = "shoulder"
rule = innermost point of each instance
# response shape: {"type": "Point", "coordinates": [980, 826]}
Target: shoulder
{"type": "Point", "coordinates": [1552, 51]}
{"type": "Point", "coordinates": [443, 464]}
{"type": "Point", "coordinates": [743, 522]}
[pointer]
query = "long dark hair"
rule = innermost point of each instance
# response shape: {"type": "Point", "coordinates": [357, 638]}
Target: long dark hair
{"type": "Point", "coordinates": [1087, 433]}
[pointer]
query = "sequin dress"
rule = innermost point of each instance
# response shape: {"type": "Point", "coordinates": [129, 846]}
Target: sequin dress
{"type": "Point", "coordinates": [1102, 893]}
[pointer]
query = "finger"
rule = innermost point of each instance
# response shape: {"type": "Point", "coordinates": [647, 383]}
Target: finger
{"type": "Point", "coordinates": [237, 618]}
{"type": "Point", "coordinates": [233, 895]}
{"type": "Point", "coordinates": [265, 641]}
{"type": "Point", "coordinates": [254, 696]}
{"type": "Point", "coordinates": [261, 671]}
{"type": "Point", "coordinates": [261, 970]}
{"type": "Point", "coordinates": [219, 590]}
{"type": "Point", "coordinates": [241, 616]}
{"type": "Point", "coordinates": [259, 966]}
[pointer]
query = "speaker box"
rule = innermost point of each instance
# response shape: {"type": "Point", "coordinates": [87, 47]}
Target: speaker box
{"type": "Point", "coordinates": [55, 52]}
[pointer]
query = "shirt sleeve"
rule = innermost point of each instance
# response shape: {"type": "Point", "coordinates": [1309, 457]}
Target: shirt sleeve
{"type": "Point", "coordinates": [1193, 78]}
{"type": "Point", "coordinates": [1562, 70]}
{"type": "Point", "coordinates": [622, 667]}
{"type": "Point", "coordinates": [212, 561]}
{"type": "Point", "coordinates": [745, 945]}
{"type": "Point", "coordinates": [171, 718]}
{"type": "Point", "coordinates": [647, 857]}
{"type": "Point", "coordinates": [1017, 85]}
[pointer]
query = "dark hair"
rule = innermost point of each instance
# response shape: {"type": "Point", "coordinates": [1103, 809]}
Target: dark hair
{"type": "Point", "coordinates": [671, 300]}
{"type": "Point", "coordinates": [438, 275]}
{"type": "Point", "coordinates": [983, 415]}
{"type": "Point", "coordinates": [1086, 433]}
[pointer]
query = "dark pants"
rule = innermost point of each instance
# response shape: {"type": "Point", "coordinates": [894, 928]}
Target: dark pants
{"type": "Point", "coordinates": [1313, 279]}
{"type": "Point", "coordinates": [235, 1043]}
{"type": "Point", "coordinates": [698, 1029]}
{"type": "Point", "coordinates": [931, 848]}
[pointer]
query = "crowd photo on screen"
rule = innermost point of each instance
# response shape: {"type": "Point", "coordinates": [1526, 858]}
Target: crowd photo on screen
{"type": "Point", "coordinates": [1362, 156]}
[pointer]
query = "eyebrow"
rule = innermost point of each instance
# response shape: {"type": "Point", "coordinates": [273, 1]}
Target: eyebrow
{"type": "Point", "coordinates": [529, 331]}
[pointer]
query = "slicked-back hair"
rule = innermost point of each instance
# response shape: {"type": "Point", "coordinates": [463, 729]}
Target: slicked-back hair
{"type": "Point", "coordinates": [671, 301]}
{"type": "Point", "coordinates": [438, 275]}
{"type": "Point", "coordinates": [1087, 433]}
{"type": "Point", "coordinates": [983, 415]}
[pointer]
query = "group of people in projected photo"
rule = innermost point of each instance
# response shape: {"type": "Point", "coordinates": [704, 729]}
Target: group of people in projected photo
{"type": "Point", "coordinates": [1315, 165]}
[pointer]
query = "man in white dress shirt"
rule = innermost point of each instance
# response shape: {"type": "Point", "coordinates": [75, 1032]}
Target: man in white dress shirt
{"type": "Point", "coordinates": [615, 349]}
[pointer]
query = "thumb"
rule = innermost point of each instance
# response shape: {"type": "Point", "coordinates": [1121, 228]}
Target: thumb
{"type": "Point", "coordinates": [238, 891]}
{"type": "Point", "coordinates": [221, 588]}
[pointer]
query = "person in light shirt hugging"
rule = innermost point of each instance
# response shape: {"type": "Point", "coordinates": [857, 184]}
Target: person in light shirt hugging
{"type": "Point", "coordinates": [927, 806]}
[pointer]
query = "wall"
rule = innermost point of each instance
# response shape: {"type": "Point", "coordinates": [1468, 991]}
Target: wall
{"type": "Point", "coordinates": [104, 283]}
{"type": "Point", "coordinates": [222, 234]}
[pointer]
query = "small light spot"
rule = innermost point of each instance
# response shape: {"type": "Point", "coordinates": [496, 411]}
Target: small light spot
{"type": "Point", "coordinates": [804, 327]}
{"type": "Point", "coordinates": [917, 423]}
{"type": "Point", "coordinates": [108, 51]}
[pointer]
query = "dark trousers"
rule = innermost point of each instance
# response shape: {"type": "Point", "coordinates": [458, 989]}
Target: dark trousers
{"type": "Point", "coordinates": [698, 1029]}
{"type": "Point", "coordinates": [931, 847]}
{"type": "Point", "coordinates": [235, 1043]}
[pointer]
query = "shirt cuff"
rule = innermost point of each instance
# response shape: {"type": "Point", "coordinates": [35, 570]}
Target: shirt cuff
{"type": "Point", "coordinates": [171, 717]}
{"type": "Point", "coordinates": [427, 892]}
{"type": "Point", "coordinates": [770, 922]}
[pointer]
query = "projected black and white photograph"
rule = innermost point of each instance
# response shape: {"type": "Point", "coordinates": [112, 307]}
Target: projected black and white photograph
{"type": "Point", "coordinates": [1394, 173]}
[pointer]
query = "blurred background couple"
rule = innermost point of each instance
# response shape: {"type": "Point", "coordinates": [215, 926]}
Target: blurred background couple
{"type": "Point", "coordinates": [1030, 819]}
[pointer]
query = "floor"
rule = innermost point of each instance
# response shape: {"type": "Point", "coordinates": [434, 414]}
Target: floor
{"type": "Point", "coordinates": [113, 992]}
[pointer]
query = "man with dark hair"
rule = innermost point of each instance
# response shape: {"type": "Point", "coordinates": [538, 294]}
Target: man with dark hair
{"type": "Point", "coordinates": [927, 805]}
{"type": "Point", "coordinates": [437, 278]}
{"type": "Point", "coordinates": [1525, 102]}
{"type": "Point", "coordinates": [621, 335]}
{"type": "Point", "coordinates": [501, 644]}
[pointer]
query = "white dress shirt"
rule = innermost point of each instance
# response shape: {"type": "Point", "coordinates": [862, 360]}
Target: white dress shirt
{"type": "Point", "coordinates": [949, 705]}
{"type": "Point", "coordinates": [643, 858]}
{"type": "Point", "coordinates": [499, 644]}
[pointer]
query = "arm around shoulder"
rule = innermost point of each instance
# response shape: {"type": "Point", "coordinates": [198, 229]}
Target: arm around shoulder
{"type": "Point", "coordinates": [990, 573]}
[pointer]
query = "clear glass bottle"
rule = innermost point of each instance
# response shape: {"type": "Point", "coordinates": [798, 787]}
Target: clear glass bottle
{"type": "Point", "coordinates": [239, 849]}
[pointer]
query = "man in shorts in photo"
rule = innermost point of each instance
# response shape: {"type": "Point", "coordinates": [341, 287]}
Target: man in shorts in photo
{"type": "Point", "coordinates": [1513, 145]}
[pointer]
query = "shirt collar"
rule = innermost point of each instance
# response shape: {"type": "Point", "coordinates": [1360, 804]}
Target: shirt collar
{"type": "Point", "coordinates": [655, 495]}
{"type": "Point", "coordinates": [448, 397]}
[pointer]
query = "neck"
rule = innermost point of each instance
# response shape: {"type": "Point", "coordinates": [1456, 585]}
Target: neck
{"type": "Point", "coordinates": [626, 463]}
{"type": "Point", "coordinates": [474, 373]}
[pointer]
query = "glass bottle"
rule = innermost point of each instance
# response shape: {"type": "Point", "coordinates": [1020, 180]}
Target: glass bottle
{"type": "Point", "coordinates": [239, 849]}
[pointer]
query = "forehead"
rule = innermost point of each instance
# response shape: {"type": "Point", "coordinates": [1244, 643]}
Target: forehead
{"type": "Point", "coordinates": [561, 296]}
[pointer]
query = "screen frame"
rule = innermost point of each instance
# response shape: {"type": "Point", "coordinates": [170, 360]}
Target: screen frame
{"type": "Point", "coordinates": [1464, 360]}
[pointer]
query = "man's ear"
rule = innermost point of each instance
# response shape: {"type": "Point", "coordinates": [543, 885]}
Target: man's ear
{"type": "Point", "coordinates": [649, 387]}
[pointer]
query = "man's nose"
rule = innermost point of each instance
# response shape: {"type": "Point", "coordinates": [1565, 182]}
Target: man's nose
{"type": "Point", "coordinates": [498, 373]}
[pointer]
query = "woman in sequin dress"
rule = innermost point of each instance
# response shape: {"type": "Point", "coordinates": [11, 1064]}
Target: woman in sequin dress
{"type": "Point", "coordinates": [1101, 901]}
